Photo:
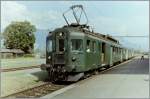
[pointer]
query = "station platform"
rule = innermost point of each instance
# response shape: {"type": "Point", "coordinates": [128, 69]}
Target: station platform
{"type": "Point", "coordinates": [127, 80]}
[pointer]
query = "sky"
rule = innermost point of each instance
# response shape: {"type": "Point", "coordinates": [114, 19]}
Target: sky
{"type": "Point", "coordinates": [116, 18]}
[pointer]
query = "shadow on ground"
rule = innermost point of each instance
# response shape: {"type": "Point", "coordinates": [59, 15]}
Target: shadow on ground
{"type": "Point", "coordinates": [41, 75]}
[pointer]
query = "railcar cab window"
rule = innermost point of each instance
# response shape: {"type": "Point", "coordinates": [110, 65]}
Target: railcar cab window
{"type": "Point", "coordinates": [49, 45]}
{"type": "Point", "coordinates": [61, 45]}
{"type": "Point", "coordinates": [76, 45]}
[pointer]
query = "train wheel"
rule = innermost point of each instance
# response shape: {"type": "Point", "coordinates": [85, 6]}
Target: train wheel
{"type": "Point", "coordinates": [51, 75]}
{"type": "Point", "coordinates": [108, 66]}
{"type": "Point", "coordinates": [95, 72]}
{"type": "Point", "coordinates": [57, 74]}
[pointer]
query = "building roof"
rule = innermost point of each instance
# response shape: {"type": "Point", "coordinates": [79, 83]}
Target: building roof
{"type": "Point", "coordinates": [17, 51]}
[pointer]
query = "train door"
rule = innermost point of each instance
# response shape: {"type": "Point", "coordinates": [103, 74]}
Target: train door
{"type": "Point", "coordinates": [60, 48]}
{"type": "Point", "coordinates": [111, 58]}
{"type": "Point", "coordinates": [100, 50]}
{"type": "Point", "coordinates": [121, 53]}
{"type": "Point", "coordinates": [49, 50]}
{"type": "Point", "coordinates": [89, 55]}
{"type": "Point", "coordinates": [126, 54]}
{"type": "Point", "coordinates": [103, 53]}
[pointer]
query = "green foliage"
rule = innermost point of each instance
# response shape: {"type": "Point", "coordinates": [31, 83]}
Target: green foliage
{"type": "Point", "coordinates": [20, 35]}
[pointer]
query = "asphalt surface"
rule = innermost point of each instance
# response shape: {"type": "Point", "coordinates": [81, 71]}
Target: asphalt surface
{"type": "Point", "coordinates": [136, 66]}
{"type": "Point", "coordinates": [127, 80]}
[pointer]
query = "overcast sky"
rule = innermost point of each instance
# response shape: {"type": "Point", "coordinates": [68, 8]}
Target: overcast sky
{"type": "Point", "coordinates": [109, 17]}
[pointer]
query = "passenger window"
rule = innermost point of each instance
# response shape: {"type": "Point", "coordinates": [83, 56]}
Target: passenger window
{"type": "Point", "coordinates": [103, 47]}
{"type": "Point", "coordinates": [113, 49]}
{"type": "Point", "coordinates": [120, 50]}
{"type": "Point", "coordinates": [94, 46]}
{"type": "Point", "coordinates": [117, 50]}
{"type": "Point", "coordinates": [88, 46]}
{"type": "Point", "coordinates": [76, 44]}
{"type": "Point", "coordinates": [99, 45]}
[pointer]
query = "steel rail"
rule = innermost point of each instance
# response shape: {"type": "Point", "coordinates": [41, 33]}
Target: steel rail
{"type": "Point", "coordinates": [48, 87]}
{"type": "Point", "coordinates": [19, 68]}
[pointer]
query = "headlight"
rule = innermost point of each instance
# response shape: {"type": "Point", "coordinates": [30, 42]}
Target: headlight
{"type": "Point", "coordinates": [49, 57]}
{"type": "Point", "coordinates": [60, 34]}
{"type": "Point", "coordinates": [73, 58]}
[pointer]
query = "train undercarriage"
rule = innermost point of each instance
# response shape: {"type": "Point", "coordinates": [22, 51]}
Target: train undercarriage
{"type": "Point", "coordinates": [60, 74]}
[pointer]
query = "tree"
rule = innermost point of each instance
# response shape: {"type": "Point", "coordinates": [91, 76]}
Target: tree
{"type": "Point", "coordinates": [20, 35]}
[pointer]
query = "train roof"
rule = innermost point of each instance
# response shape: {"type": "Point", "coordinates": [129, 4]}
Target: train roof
{"type": "Point", "coordinates": [85, 29]}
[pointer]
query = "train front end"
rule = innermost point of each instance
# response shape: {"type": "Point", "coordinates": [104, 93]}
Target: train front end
{"type": "Point", "coordinates": [56, 54]}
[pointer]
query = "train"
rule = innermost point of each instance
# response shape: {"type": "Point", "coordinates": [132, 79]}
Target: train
{"type": "Point", "coordinates": [74, 50]}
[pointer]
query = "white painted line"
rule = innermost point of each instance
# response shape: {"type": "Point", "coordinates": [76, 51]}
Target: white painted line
{"type": "Point", "coordinates": [53, 94]}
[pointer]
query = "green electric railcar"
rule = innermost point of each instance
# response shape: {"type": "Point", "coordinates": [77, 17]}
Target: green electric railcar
{"type": "Point", "coordinates": [74, 50]}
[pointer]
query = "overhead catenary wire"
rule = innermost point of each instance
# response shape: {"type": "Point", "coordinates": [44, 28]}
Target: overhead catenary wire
{"type": "Point", "coordinates": [138, 36]}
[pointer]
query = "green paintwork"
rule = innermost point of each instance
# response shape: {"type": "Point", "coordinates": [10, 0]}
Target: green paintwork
{"type": "Point", "coordinates": [85, 61]}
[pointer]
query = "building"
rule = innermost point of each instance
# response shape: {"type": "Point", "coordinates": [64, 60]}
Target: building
{"type": "Point", "coordinates": [11, 53]}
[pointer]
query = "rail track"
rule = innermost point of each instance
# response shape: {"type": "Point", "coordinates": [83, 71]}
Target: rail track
{"type": "Point", "coordinates": [49, 87]}
{"type": "Point", "coordinates": [37, 91]}
{"type": "Point", "coordinates": [19, 68]}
